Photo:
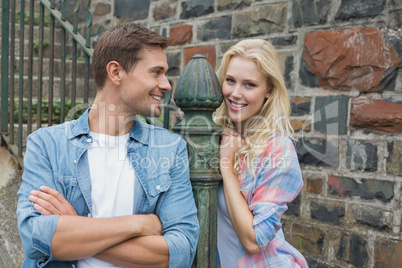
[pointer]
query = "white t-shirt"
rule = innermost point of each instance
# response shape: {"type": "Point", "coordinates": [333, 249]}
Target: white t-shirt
{"type": "Point", "coordinates": [112, 179]}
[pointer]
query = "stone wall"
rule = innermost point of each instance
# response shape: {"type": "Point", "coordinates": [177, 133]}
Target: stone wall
{"type": "Point", "coordinates": [342, 63]}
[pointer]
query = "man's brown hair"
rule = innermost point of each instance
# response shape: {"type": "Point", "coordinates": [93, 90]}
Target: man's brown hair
{"type": "Point", "coordinates": [124, 45]}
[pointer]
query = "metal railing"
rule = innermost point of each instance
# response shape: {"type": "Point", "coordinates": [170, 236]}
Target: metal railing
{"type": "Point", "coordinates": [38, 17]}
{"type": "Point", "coordinates": [36, 94]}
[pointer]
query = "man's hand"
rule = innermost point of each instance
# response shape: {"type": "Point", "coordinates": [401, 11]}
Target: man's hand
{"type": "Point", "coordinates": [50, 202]}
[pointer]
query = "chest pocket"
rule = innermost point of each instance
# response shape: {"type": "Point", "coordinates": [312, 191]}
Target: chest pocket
{"type": "Point", "coordinates": [158, 184]}
{"type": "Point", "coordinates": [66, 185]}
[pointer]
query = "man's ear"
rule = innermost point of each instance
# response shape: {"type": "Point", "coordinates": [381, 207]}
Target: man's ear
{"type": "Point", "coordinates": [114, 72]}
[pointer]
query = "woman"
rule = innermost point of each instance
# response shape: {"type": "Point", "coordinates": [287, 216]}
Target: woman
{"type": "Point", "coordinates": [258, 162]}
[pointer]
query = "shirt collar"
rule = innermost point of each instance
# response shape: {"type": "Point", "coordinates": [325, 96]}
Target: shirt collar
{"type": "Point", "coordinates": [139, 131]}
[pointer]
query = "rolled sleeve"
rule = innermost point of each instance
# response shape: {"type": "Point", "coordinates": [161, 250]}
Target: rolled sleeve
{"type": "Point", "coordinates": [279, 182]}
{"type": "Point", "coordinates": [180, 254]}
{"type": "Point", "coordinates": [178, 213]}
{"type": "Point", "coordinates": [42, 234]}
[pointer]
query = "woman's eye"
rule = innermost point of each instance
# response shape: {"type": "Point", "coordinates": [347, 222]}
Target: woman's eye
{"type": "Point", "coordinates": [250, 85]}
{"type": "Point", "coordinates": [229, 80]}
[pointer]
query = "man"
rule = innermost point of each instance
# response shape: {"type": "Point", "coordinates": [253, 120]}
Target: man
{"type": "Point", "coordinates": [108, 190]}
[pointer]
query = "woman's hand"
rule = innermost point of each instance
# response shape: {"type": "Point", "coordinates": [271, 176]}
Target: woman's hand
{"type": "Point", "coordinates": [230, 144]}
{"type": "Point", "coordinates": [238, 210]}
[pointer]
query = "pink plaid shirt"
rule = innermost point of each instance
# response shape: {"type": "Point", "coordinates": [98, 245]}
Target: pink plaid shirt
{"type": "Point", "coordinates": [278, 182]}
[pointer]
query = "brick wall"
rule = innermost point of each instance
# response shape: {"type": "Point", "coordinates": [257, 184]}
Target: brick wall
{"type": "Point", "coordinates": [342, 63]}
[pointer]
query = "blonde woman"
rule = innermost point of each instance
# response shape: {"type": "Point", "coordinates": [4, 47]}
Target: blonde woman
{"type": "Point", "coordinates": [258, 162]}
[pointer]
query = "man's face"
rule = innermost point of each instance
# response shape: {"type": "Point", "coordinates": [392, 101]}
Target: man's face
{"type": "Point", "coordinates": [142, 88]}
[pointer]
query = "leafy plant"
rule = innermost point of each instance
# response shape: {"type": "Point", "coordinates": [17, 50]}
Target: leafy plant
{"type": "Point", "coordinates": [36, 20]}
{"type": "Point", "coordinates": [70, 57]}
{"type": "Point", "coordinates": [45, 43]}
{"type": "Point", "coordinates": [301, 244]}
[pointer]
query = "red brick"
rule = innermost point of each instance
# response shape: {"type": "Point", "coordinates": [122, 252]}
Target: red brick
{"type": "Point", "coordinates": [180, 35]}
{"type": "Point", "coordinates": [208, 51]}
{"type": "Point", "coordinates": [376, 114]}
{"type": "Point", "coordinates": [352, 58]}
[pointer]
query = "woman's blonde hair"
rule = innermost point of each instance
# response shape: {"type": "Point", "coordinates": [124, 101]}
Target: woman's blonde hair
{"type": "Point", "coordinates": [273, 117]}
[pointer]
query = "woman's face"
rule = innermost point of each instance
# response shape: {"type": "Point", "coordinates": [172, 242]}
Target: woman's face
{"type": "Point", "coordinates": [244, 90]}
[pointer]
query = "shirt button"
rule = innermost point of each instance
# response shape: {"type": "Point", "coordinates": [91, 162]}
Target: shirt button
{"type": "Point", "coordinates": [158, 187]}
{"type": "Point", "coordinates": [73, 265]}
{"type": "Point", "coordinates": [75, 161]}
{"type": "Point", "coordinates": [88, 140]}
{"type": "Point", "coordinates": [273, 210]}
{"type": "Point", "coordinates": [89, 215]}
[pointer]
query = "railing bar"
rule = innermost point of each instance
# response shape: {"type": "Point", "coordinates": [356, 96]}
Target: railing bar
{"type": "Point", "coordinates": [4, 65]}
{"type": "Point", "coordinates": [40, 71]}
{"type": "Point", "coordinates": [86, 80]}
{"type": "Point", "coordinates": [74, 57]}
{"type": "Point", "coordinates": [69, 28]}
{"type": "Point", "coordinates": [12, 73]}
{"type": "Point", "coordinates": [63, 10]}
{"type": "Point", "coordinates": [51, 71]}
{"type": "Point", "coordinates": [88, 32]}
{"type": "Point", "coordinates": [74, 75]}
{"type": "Point", "coordinates": [76, 13]}
{"type": "Point", "coordinates": [63, 66]}
{"type": "Point", "coordinates": [87, 59]}
{"type": "Point", "coordinates": [21, 80]}
{"type": "Point", "coordinates": [30, 67]}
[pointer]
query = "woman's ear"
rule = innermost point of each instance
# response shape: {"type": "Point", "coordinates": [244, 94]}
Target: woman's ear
{"type": "Point", "coordinates": [114, 72]}
{"type": "Point", "coordinates": [268, 94]}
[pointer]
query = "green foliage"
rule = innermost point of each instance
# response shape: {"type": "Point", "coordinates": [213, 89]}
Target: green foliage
{"type": "Point", "coordinates": [56, 111]}
{"type": "Point", "coordinates": [45, 43]}
{"type": "Point", "coordinates": [70, 57]}
{"type": "Point", "coordinates": [301, 245]}
{"type": "Point", "coordinates": [46, 20]}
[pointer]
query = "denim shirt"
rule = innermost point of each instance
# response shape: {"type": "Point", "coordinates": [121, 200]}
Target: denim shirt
{"type": "Point", "coordinates": [57, 157]}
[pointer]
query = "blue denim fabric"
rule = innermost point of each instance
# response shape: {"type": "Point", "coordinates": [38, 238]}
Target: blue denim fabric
{"type": "Point", "coordinates": [56, 157]}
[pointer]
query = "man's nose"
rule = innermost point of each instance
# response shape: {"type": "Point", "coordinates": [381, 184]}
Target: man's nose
{"type": "Point", "coordinates": [164, 84]}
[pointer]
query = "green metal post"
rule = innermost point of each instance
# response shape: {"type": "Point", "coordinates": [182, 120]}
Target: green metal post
{"type": "Point", "coordinates": [198, 94]}
{"type": "Point", "coordinates": [5, 35]}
